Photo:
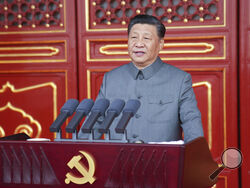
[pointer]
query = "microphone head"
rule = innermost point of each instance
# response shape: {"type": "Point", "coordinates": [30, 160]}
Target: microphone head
{"type": "Point", "coordinates": [70, 106]}
{"type": "Point", "coordinates": [100, 106]}
{"type": "Point", "coordinates": [116, 106]}
{"type": "Point", "coordinates": [85, 106]}
{"type": "Point", "coordinates": [132, 106]}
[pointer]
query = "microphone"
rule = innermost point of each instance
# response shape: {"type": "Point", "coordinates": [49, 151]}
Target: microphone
{"type": "Point", "coordinates": [66, 111]}
{"type": "Point", "coordinates": [98, 110]}
{"type": "Point", "coordinates": [129, 111]}
{"type": "Point", "coordinates": [113, 111]}
{"type": "Point", "coordinates": [82, 110]}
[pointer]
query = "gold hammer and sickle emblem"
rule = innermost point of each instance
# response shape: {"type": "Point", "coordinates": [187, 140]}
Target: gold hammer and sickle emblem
{"type": "Point", "coordinates": [88, 175]}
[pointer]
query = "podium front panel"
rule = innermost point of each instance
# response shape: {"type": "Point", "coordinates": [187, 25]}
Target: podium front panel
{"type": "Point", "coordinates": [78, 164]}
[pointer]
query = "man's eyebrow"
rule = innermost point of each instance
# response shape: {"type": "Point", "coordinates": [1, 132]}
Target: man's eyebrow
{"type": "Point", "coordinates": [145, 33]}
{"type": "Point", "coordinates": [134, 32]}
{"type": "Point", "coordinates": [149, 34]}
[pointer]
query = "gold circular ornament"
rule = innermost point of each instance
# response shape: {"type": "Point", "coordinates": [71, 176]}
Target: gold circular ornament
{"type": "Point", "coordinates": [169, 21]}
{"type": "Point", "coordinates": [47, 25]}
{"type": "Point", "coordinates": [24, 128]}
{"type": "Point", "coordinates": [108, 23]}
{"type": "Point", "coordinates": [6, 26]}
{"type": "Point", "coordinates": [138, 11]}
{"type": "Point", "coordinates": [19, 16]}
{"type": "Point", "coordinates": [169, 10]}
{"type": "Point", "coordinates": [94, 23]}
{"type": "Point", "coordinates": [201, 9]}
{"type": "Point", "coordinates": [217, 18]}
{"type": "Point", "coordinates": [123, 3]}
{"type": "Point", "coordinates": [201, 19]}
{"type": "Point", "coordinates": [153, 1]}
{"type": "Point", "coordinates": [33, 25]}
{"type": "Point", "coordinates": [185, 20]}
{"type": "Point", "coordinates": [123, 23]}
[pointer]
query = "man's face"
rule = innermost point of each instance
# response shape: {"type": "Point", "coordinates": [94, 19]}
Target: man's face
{"type": "Point", "coordinates": [144, 44]}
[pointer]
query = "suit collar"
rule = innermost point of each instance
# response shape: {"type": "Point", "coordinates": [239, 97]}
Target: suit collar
{"type": "Point", "coordinates": [147, 72]}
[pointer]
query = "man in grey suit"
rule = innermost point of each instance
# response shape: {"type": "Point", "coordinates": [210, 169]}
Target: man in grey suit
{"type": "Point", "coordinates": [168, 103]}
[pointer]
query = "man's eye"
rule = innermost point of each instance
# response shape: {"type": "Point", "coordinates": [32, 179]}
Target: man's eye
{"type": "Point", "coordinates": [133, 37]}
{"type": "Point", "coordinates": [146, 38]}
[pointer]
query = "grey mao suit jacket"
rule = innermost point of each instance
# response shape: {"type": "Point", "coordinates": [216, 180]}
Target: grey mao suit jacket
{"type": "Point", "coordinates": [168, 103]}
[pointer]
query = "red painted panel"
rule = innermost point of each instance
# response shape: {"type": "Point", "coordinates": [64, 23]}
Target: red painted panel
{"type": "Point", "coordinates": [29, 102]}
{"type": "Point", "coordinates": [175, 48]}
{"type": "Point", "coordinates": [38, 60]}
{"type": "Point", "coordinates": [35, 51]}
{"type": "Point", "coordinates": [244, 72]}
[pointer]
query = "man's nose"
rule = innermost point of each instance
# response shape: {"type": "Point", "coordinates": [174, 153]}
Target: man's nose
{"type": "Point", "coordinates": [140, 43]}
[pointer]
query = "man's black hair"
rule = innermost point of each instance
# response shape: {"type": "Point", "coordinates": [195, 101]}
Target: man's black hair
{"type": "Point", "coordinates": [148, 19]}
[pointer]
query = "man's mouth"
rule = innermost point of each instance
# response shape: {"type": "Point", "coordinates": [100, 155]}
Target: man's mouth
{"type": "Point", "coordinates": [139, 53]}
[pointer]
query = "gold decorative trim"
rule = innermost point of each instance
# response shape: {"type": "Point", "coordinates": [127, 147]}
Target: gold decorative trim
{"type": "Point", "coordinates": [88, 51]}
{"type": "Point", "coordinates": [105, 49]}
{"type": "Point", "coordinates": [2, 133]}
{"type": "Point", "coordinates": [168, 27]}
{"type": "Point", "coordinates": [54, 91]}
{"type": "Point", "coordinates": [54, 51]}
{"type": "Point", "coordinates": [12, 88]}
{"type": "Point", "coordinates": [50, 84]}
{"type": "Point", "coordinates": [88, 84]}
{"type": "Point", "coordinates": [89, 79]}
{"type": "Point", "coordinates": [25, 129]}
{"type": "Point", "coordinates": [209, 95]}
{"type": "Point", "coordinates": [40, 31]}
{"type": "Point", "coordinates": [209, 108]}
{"type": "Point", "coordinates": [224, 109]}
{"type": "Point", "coordinates": [209, 47]}
{"type": "Point", "coordinates": [225, 179]}
{"type": "Point", "coordinates": [223, 70]}
{"type": "Point", "coordinates": [222, 177]}
{"type": "Point", "coordinates": [25, 115]}
{"type": "Point", "coordinates": [87, 15]}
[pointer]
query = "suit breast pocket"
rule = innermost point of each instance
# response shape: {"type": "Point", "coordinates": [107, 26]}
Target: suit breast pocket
{"type": "Point", "coordinates": [161, 109]}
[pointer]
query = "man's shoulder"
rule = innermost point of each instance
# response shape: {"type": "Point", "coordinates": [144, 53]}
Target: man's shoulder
{"type": "Point", "coordinates": [118, 70]}
{"type": "Point", "coordinates": [173, 69]}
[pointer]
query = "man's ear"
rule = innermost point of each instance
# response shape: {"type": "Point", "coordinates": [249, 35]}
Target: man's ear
{"type": "Point", "coordinates": [161, 43]}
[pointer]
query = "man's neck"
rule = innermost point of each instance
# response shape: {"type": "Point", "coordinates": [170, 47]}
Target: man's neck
{"type": "Point", "coordinates": [141, 68]}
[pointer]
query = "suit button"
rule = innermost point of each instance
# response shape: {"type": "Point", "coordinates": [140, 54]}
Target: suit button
{"type": "Point", "coordinates": [161, 102]}
{"type": "Point", "coordinates": [139, 97]}
{"type": "Point", "coordinates": [137, 116]}
{"type": "Point", "coordinates": [135, 135]}
{"type": "Point", "coordinates": [140, 77]}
